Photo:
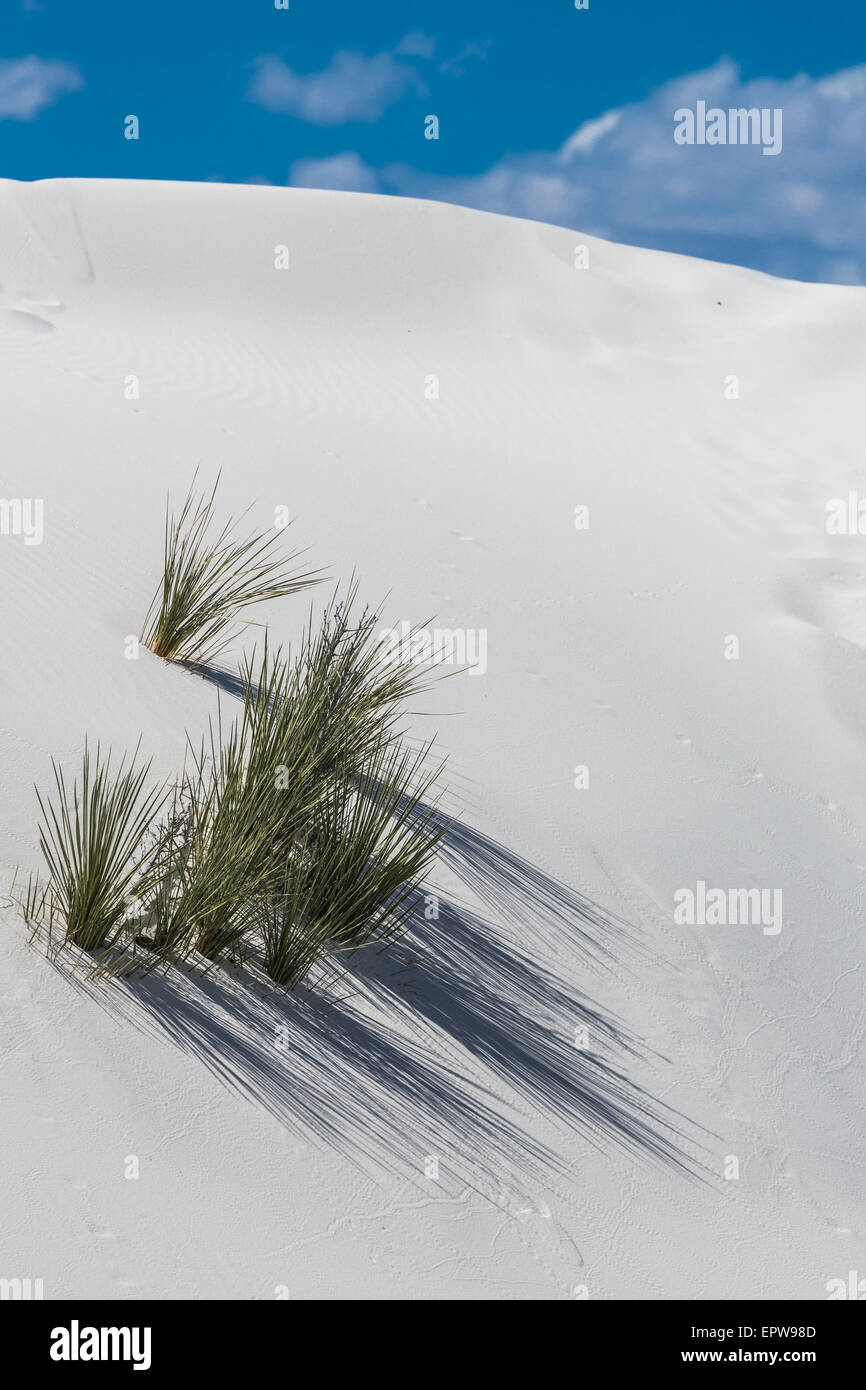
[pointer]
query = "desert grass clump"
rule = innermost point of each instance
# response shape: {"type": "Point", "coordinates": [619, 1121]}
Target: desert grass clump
{"type": "Point", "coordinates": [210, 574]}
{"type": "Point", "coordinates": [252, 791]}
{"type": "Point", "coordinates": [89, 838]}
{"type": "Point", "coordinates": [321, 714]}
{"type": "Point", "coordinates": [308, 775]}
{"type": "Point", "coordinates": [361, 687]}
{"type": "Point", "coordinates": [353, 875]}
{"type": "Point", "coordinates": [352, 694]}
{"type": "Point", "coordinates": [211, 855]}
{"type": "Point", "coordinates": [300, 831]}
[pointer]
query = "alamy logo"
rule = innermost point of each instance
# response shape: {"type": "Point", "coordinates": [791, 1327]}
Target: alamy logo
{"type": "Point", "coordinates": [76, 1343]}
{"type": "Point", "coordinates": [846, 516]}
{"type": "Point", "coordinates": [721, 907]}
{"type": "Point", "coordinates": [20, 1290]}
{"type": "Point", "coordinates": [438, 646]}
{"type": "Point", "coordinates": [22, 516]}
{"type": "Point", "coordinates": [855, 1288]}
{"type": "Point", "coordinates": [737, 126]}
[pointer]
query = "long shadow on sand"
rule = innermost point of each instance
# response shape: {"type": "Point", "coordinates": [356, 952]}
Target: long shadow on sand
{"type": "Point", "coordinates": [455, 1043]}
{"type": "Point", "coordinates": [544, 1041]}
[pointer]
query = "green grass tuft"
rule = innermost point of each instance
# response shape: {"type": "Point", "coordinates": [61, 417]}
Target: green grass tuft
{"type": "Point", "coordinates": [353, 874]}
{"type": "Point", "coordinates": [89, 839]}
{"type": "Point", "coordinates": [209, 576]}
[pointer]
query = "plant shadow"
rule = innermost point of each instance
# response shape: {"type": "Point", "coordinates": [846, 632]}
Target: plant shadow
{"type": "Point", "coordinates": [529, 1027]}
{"type": "Point", "coordinates": [453, 1045]}
{"type": "Point", "coordinates": [455, 1042]}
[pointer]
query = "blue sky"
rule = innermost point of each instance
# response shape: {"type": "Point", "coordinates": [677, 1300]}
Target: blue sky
{"type": "Point", "coordinates": [335, 95]}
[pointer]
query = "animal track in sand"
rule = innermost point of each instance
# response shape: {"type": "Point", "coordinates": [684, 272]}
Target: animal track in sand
{"type": "Point", "coordinates": [520, 1205]}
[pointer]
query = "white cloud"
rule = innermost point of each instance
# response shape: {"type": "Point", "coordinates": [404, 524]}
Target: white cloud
{"type": "Point", "coordinates": [588, 135]}
{"type": "Point", "coordinates": [457, 65]}
{"type": "Point", "coordinates": [352, 87]}
{"type": "Point", "coordinates": [341, 171]}
{"type": "Point", "coordinates": [416, 46]}
{"type": "Point", "coordinates": [29, 85]}
{"type": "Point", "coordinates": [622, 177]}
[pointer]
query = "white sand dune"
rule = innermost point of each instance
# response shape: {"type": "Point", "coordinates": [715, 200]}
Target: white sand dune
{"type": "Point", "coordinates": [287, 1146]}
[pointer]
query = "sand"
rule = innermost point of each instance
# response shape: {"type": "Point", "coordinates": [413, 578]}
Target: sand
{"type": "Point", "coordinates": [542, 1092]}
